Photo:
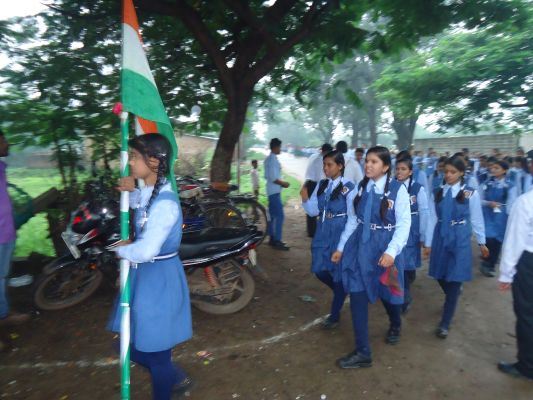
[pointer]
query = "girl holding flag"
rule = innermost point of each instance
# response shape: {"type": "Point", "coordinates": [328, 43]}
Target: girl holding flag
{"type": "Point", "coordinates": [457, 211]}
{"type": "Point", "coordinates": [160, 305]}
{"type": "Point", "coordinates": [372, 264]}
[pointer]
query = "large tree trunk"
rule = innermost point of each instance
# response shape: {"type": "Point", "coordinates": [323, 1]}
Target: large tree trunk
{"type": "Point", "coordinates": [229, 136]}
{"type": "Point", "coordinates": [355, 132]}
{"type": "Point", "coordinates": [372, 125]}
{"type": "Point", "coordinates": [405, 130]}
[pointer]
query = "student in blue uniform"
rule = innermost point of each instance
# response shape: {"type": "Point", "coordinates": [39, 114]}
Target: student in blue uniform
{"type": "Point", "coordinates": [412, 253]}
{"type": "Point", "coordinates": [483, 173]}
{"type": "Point", "coordinates": [160, 305]}
{"type": "Point", "coordinates": [498, 194]}
{"type": "Point", "coordinates": [438, 176]}
{"type": "Point", "coordinates": [329, 205]}
{"type": "Point", "coordinates": [456, 211]}
{"type": "Point", "coordinates": [383, 221]}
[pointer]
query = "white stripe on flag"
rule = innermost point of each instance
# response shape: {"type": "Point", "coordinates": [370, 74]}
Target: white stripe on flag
{"type": "Point", "coordinates": [133, 55]}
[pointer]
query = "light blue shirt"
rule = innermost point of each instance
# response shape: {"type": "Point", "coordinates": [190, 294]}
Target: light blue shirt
{"type": "Point", "coordinates": [474, 206]}
{"type": "Point", "coordinates": [161, 219]}
{"type": "Point", "coordinates": [421, 178]}
{"type": "Point", "coordinates": [272, 173]}
{"type": "Point", "coordinates": [511, 194]}
{"type": "Point", "coordinates": [311, 208]}
{"type": "Point", "coordinates": [528, 182]}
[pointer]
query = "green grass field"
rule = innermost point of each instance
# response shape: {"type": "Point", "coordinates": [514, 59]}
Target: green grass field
{"type": "Point", "coordinates": [293, 191]}
{"type": "Point", "coordinates": [33, 235]}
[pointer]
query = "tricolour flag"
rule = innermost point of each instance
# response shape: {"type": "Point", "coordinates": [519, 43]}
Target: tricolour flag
{"type": "Point", "coordinates": [139, 91]}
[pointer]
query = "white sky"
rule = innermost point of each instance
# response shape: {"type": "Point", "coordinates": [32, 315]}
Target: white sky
{"type": "Point", "coordinates": [20, 8]}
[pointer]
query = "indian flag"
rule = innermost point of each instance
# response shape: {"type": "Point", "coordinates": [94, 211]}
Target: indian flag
{"type": "Point", "coordinates": [139, 91]}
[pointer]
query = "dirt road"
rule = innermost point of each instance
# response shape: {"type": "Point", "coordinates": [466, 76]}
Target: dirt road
{"type": "Point", "coordinates": [274, 349]}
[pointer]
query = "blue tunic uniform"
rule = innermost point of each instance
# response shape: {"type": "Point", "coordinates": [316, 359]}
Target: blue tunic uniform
{"type": "Point", "coordinates": [451, 254]}
{"type": "Point", "coordinates": [503, 192]}
{"type": "Point", "coordinates": [160, 304]}
{"type": "Point", "coordinates": [412, 253]}
{"type": "Point", "coordinates": [360, 269]}
{"type": "Point", "coordinates": [332, 219]}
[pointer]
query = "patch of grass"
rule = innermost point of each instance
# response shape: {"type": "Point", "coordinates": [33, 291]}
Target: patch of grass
{"type": "Point", "coordinates": [33, 235]}
{"type": "Point", "coordinates": [292, 192]}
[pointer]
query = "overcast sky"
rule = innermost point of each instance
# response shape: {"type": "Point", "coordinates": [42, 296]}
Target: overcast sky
{"type": "Point", "coordinates": [20, 8]}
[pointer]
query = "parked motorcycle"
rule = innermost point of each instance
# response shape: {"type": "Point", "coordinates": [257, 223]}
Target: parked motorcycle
{"type": "Point", "coordinates": [217, 261]}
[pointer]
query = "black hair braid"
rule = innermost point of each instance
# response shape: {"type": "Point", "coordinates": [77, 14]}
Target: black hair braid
{"type": "Point", "coordinates": [158, 184]}
{"type": "Point", "coordinates": [335, 193]}
{"type": "Point", "coordinates": [440, 193]}
{"type": "Point", "coordinates": [410, 185]}
{"type": "Point", "coordinates": [322, 187]}
{"type": "Point", "coordinates": [383, 207]}
{"type": "Point", "coordinates": [360, 190]}
{"type": "Point", "coordinates": [460, 198]}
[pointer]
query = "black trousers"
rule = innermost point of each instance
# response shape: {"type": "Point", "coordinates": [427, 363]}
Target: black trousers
{"type": "Point", "coordinates": [310, 221]}
{"type": "Point", "coordinates": [495, 247]}
{"type": "Point", "coordinates": [523, 308]}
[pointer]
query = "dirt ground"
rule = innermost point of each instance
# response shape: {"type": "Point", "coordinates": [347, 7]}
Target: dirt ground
{"type": "Point", "coordinates": [274, 349]}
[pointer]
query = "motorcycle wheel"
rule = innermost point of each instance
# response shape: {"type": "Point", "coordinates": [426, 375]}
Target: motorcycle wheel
{"type": "Point", "coordinates": [254, 214]}
{"type": "Point", "coordinates": [66, 287]}
{"type": "Point", "coordinates": [247, 289]}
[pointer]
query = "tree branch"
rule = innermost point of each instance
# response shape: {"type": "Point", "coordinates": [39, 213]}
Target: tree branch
{"type": "Point", "coordinates": [193, 22]}
{"type": "Point", "coordinates": [269, 61]}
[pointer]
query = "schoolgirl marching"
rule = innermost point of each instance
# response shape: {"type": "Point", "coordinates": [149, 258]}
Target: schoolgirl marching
{"type": "Point", "coordinates": [498, 194]}
{"type": "Point", "coordinates": [329, 204]}
{"type": "Point", "coordinates": [372, 264]}
{"type": "Point", "coordinates": [456, 211]}
{"type": "Point", "coordinates": [412, 253]}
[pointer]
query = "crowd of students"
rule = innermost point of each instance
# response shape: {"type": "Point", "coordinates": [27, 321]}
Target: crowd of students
{"type": "Point", "coordinates": [369, 234]}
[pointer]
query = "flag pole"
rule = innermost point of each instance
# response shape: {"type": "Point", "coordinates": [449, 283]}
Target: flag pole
{"type": "Point", "coordinates": [124, 267]}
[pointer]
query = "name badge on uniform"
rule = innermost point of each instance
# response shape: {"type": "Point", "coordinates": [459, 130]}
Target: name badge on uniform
{"type": "Point", "coordinates": [391, 203]}
{"type": "Point", "coordinates": [413, 199]}
{"type": "Point", "coordinates": [345, 190]}
{"type": "Point", "coordinates": [468, 194]}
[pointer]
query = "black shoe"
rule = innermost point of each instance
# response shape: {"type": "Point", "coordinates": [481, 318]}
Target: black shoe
{"type": "Point", "coordinates": [393, 336]}
{"type": "Point", "coordinates": [354, 360]}
{"type": "Point", "coordinates": [441, 333]}
{"type": "Point", "coordinates": [486, 270]}
{"type": "Point", "coordinates": [329, 324]}
{"type": "Point", "coordinates": [406, 306]}
{"type": "Point", "coordinates": [510, 369]}
{"type": "Point", "coordinates": [182, 387]}
{"type": "Point", "coordinates": [279, 245]}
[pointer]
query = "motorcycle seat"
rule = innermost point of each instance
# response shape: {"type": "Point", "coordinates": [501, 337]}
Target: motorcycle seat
{"type": "Point", "coordinates": [213, 240]}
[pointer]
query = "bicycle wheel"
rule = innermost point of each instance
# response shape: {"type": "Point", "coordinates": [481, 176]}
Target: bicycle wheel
{"type": "Point", "coordinates": [223, 215]}
{"type": "Point", "coordinates": [253, 213]}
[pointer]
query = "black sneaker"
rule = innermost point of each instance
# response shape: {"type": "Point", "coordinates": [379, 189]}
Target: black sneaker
{"type": "Point", "coordinates": [182, 387]}
{"type": "Point", "coordinates": [354, 360]}
{"type": "Point", "coordinates": [279, 245]}
{"type": "Point", "coordinates": [441, 333]}
{"type": "Point", "coordinates": [393, 336]}
{"type": "Point", "coordinates": [486, 270]}
{"type": "Point", "coordinates": [406, 306]}
{"type": "Point", "coordinates": [510, 369]}
{"type": "Point", "coordinates": [329, 324]}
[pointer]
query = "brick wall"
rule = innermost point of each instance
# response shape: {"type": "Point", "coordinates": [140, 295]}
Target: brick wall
{"type": "Point", "coordinates": [190, 145]}
{"type": "Point", "coordinates": [478, 143]}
